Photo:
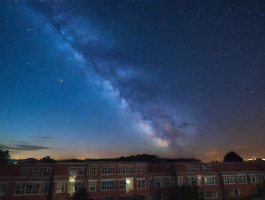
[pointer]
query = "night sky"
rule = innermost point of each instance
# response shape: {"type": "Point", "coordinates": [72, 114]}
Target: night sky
{"type": "Point", "coordinates": [94, 79]}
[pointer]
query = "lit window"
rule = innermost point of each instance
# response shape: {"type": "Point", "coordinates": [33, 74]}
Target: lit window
{"type": "Point", "coordinates": [207, 168]}
{"type": "Point", "coordinates": [108, 170]}
{"type": "Point", "coordinates": [140, 170]}
{"type": "Point", "coordinates": [211, 180]}
{"type": "Point", "coordinates": [107, 185]}
{"type": "Point", "coordinates": [211, 194]}
{"type": "Point", "coordinates": [242, 179]}
{"type": "Point", "coordinates": [141, 183]}
{"type": "Point", "coordinates": [32, 188]}
{"type": "Point", "coordinates": [169, 181]}
{"type": "Point", "coordinates": [59, 187]}
{"type": "Point", "coordinates": [229, 179]}
{"type": "Point", "coordinates": [129, 184]}
{"type": "Point", "coordinates": [46, 188]}
{"type": "Point", "coordinates": [93, 170]}
{"type": "Point", "coordinates": [122, 184]}
{"type": "Point", "coordinates": [199, 180]}
{"type": "Point", "coordinates": [75, 186]}
{"type": "Point", "coordinates": [193, 168]}
{"type": "Point", "coordinates": [158, 182]}
{"type": "Point", "coordinates": [92, 185]}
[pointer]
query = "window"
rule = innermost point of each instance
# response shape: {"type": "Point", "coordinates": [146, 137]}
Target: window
{"type": "Point", "coordinates": [122, 185]}
{"type": "Point", "coordinates": [201, 194]}
{"type": "Point", "coordinates": [126, 170]}
{"type": "Point", "coordinates": [75, 186]}
{"type": "Point", "coordinates": [32, 188]}
{"type": "Point", "coordinates": [232, 192]}
{"type": "Point", "coordinates": [77, 170]}
{"type": "Point", "coordinates": [165, 196]}
{"type": "Point", "coordinates": [19, 189]}
{"type": "Point", "coordinates": [229, 179]}
{"type": "Point", "coordinates": [211, 194]}
{"type": "Point", "coordinates": [241, 179]}
{"type": "Point", "coordinates": [46, 188]}
{"type": "Point", "coordinates": [207, 168]}
{"type": "Point", "coordinates": [256, 178]}
{"type": "Point", "coordinates": [59, 187]}
{"type": "Point", "coordinates": [158, 182]}
{"type": "Point", "coordinates": [199, 180]}
{"type": "Point", "coordinates": [81, 171]}
{"type": "Point", "coordinates": [141, 183]}
{"type": "Point", "coordinates": [211, 180]}
{"type": "Point", "coordinates": [129, 184]}
{"type": "Point", "coordinates": [180, 181]}
{"type": "Point", "coordinates": [78, 187]}
{"type": "Point", "coordinates": [192, 181]}
{"type": "Point", "coordinates": [107, 185]}
{"type": "Point", "coordinates": [108, 170]}
{"type": "Point", "coordinates": [193, 168]}
{"type": "Point", "coordinates": [140, 170]}
{"type": "Point", "coordinates": [47, 170]}
{"type": "Point", "coordinates": [93, 170]}
{"type": "Point", "coordinates": [25, 171]}
{"type": "Point", "coordinates": [36, 171]}
{"type": "Point", "coordinates": [169, 181]}
{"type": "Point", "coordinates": [107, 198]}
{"type": "Point", "coordinates": [92, 185]}
{"type": "Point", "coordinates": [3, 189]}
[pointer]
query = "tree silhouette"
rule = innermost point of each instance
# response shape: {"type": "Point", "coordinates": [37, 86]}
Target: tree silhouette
{"type": "Point", "coordinates": [232, 157]}
{"type": "Point", "coordinates": [4, 156]}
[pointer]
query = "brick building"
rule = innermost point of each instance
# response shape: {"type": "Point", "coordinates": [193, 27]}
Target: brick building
{"type": "Point", "coordinates": [124, 180]}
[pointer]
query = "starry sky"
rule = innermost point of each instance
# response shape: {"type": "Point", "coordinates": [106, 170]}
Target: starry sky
{"type": "Point", "coordinates": [94, 79]}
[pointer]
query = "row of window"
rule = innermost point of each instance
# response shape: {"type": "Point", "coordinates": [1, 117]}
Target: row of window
{"type": "Point", "coordinates": [208, 180]}
{"type": "Point", "coordinates": [141, 197]}
{"type": "Point", "coordinates": [196, 168]}
{"type": "Point", "coordinates": [209, 194]}
{"type": "Point", "coordinates": [111, 170]}
{"type": "Point", "coordinates": [36, 171]}
{"type": "Point", "coordinates": [32, 188]}
{"type": "Point", "coordinates": [127, 184]}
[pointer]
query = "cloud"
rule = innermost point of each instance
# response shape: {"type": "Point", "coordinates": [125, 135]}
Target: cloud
{"type": "Point", "coordinates": [22, 147]}
{"type": "Point", "coordinates": [41, 138]}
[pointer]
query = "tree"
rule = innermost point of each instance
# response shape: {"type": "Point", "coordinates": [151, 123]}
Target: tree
{"type": "Point", "coordinates": [232, 157]}
{"type": "Point", "coordinates": [46, 159]}
{"type": "Point", "coordinates": [4, 156]}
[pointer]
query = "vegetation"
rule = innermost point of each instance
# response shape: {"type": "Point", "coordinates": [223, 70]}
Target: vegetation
{"type": "Point", "coordinates": [46, 159]}
{"type": "Point", "coordinates": [132, 158]}
{"type": "Point", "coordinates": [4, 156]}
{"type": "Point", "coordinates": [232, 157]}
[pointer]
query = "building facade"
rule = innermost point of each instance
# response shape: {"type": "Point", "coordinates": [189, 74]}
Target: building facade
{"type": "Point", "coordinates": [128, 180]}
